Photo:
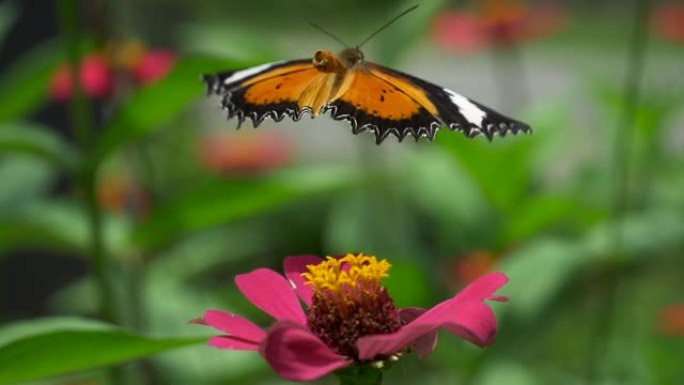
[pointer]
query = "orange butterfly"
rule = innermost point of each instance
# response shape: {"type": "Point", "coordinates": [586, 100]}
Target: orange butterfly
{"type": "Point", "coordinates": [367, 95]}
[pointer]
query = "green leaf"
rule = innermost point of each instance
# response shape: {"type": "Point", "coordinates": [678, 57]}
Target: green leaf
{"type": "Point", "coordinates": [223, 201]}
{"type": "Point", "coordinates": [448, 194]}
{"type": "Point", "coordinates": [58, 225]}
{"type": "Point", "coordinates": [243, 43]}
{"type": "Point", "coordinates": [534, 216]}
{"type": "Point", "coordinates": [36, 140]}
{"type": "Point", "coordinates": [537, 272]}
{"type": "Point", "coordinates": [23, 179]}
{"type": "Point", "coordinates": [23, 87]}
{"type": "Point", "coordinates": [42, 348]}
{"type": "Point", "coordinates": [153, 106]}
{"type": "Point", "coordinates": [501, 168]}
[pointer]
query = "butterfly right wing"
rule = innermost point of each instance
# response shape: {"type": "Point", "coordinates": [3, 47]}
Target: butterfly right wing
{"type": "Point", "coordinates": [455, 110]}
{"type": "Point", "coordinates": [271, 90]}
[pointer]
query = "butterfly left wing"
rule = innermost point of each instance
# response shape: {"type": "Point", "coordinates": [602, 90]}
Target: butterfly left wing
{"type": "Point", "coordinates": [270, 90]}
{"type": "Point", "coordinates": [450, 108]}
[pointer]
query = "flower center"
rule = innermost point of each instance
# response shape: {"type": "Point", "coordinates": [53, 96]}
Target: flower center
{"type": "Point", "coordinates": [349, 302]}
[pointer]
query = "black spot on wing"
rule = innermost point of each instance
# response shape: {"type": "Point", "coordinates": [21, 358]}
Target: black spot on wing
{"type": "Point", "coordinates": [417, 125]}
{"type": "Point", "coordinates": [492, 123]}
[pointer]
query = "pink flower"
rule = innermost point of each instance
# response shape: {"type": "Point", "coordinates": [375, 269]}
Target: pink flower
{"type": "Point", "coordinates": [243, 152]}
{"type": "Point", "coordinates": [97, 70]}
{"type": "Point", "coordinates": [153, 65]}
{"type": "Point", "coordinates": [96, 79]}
{"type": "Point", "coordinates": [350, 318]}
{"type": "Point", "coordinates": [498, 23]}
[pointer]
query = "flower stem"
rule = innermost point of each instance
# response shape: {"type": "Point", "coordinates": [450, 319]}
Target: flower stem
{"type": "Point", "coordinates": [623, 149]}
{"type": "Point", "coordinates": [86, 174]}
{"type": "Point", "coordinates": [360, 375]}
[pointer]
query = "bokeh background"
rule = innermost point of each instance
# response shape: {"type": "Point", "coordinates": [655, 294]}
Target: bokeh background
{"type": "Point", "coordinates": [128, 202]}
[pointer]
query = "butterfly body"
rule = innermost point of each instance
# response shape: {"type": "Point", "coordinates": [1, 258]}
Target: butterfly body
{"type": "Point", "coordinates": [367, 95]}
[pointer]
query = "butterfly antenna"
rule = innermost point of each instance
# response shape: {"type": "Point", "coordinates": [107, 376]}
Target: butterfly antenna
{"type": "Point", "coordinates": [387, 25]}
{"type": "Point", "coordinates": [337, 39]}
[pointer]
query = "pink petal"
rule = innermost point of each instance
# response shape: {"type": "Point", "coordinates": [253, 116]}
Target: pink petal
{"type": "Point", "coordinates": [270, 292]}
{"type": "Point", "coordinates": [297, 355]}
{"type": "Point", "coordinates": [233, 343]}
{"type": "Point", "coordinates": [424, 345]}
{"type": "Point", "coordinates": [234, 326]}
{"type": "Point", "coordinates": [464, 315]}
{"type": "Point", "coordinates": [294, 267]}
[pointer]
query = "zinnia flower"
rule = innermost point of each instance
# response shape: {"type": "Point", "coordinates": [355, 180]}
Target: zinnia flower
{"type": "Point", "coordinates": [350, 319]}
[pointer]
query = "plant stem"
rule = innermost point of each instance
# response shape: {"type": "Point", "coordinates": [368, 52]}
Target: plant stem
{"type": "Point", "coordinates": [360, 375]}
{"type": "Point", "coordinates": [86, 177]}
{"type": "Point", "coordinates": [623, 149]}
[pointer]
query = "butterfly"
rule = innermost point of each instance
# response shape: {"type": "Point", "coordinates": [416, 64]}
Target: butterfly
{"type": "Point", "coordinates": [367, 95]}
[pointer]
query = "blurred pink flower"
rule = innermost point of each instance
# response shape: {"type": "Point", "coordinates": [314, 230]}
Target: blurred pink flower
{"type": "Point", "coordinates": [243, 152]}
{"type": "Point", "coordinates": [96, 79]}
{"type": "Point", "coordinates": [671, 320]}
{"type": "Point", "coordinates": [97, 70]}
{"type": "Point", "coordinates": [498, 23]}
{"type": "Point", "coordinates": [351, 318]}
{"type": "Point", "coordinates": [153, 65]}
{"type": "Point", "coordinates": [668, 21]}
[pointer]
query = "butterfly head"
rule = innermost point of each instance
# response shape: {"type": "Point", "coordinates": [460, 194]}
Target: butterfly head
{"type": "Point", "coordinates": [351, 57]}
{"type": "Point", "coordinates": [326, 61]}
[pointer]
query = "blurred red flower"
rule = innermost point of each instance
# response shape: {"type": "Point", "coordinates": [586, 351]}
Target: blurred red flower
{"type": "Point", "coordinates": [496, 23]}
{"type": "Point", "coordinates": [473, 265]}
{"type": "Point", "coordinates": [242, 152]}
{"type": "Point", "coordinates": [121, 194]}
{"type": "Point", "coordinates": [671, 320]}
{"type": "Point", "coordinates": [668, 21]}
{"type": "Point", "coordinates": [97, 70]}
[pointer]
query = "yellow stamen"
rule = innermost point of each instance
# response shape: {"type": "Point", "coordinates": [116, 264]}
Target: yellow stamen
{"type": "Point", "coordinates": [350, 270]}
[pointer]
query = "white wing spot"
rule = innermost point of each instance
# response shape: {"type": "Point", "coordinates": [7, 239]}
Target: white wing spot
{"type": "Point", "coordinates": [470, 111]}
{"type": "Point", "coordinates": [239, 75]}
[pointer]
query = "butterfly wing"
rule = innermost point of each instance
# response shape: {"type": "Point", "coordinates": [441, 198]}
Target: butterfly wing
{"type": "Point", "coordinates": [450, 108]}
{"type": "Point", "coordinates": [372, 103]}
{"type": "Point", "coordinates": [267, 91]}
